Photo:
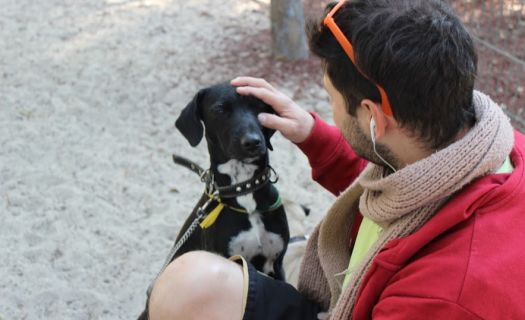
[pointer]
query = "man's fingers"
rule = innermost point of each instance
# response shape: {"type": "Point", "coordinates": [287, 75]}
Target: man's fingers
{"type": "Point", "coordinates": [277, 101]}
{"type": "Point", "coordinates": [251, 82]}
{"type": "Point", "coordinates": [273, 121]}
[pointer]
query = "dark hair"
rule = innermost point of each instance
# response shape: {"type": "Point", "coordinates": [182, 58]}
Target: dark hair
{"type": "Point", "coordinates": [418, 50]}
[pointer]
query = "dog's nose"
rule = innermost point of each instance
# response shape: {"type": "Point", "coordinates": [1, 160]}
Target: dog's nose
{"type": "Point", "coordinates": [251, 143]}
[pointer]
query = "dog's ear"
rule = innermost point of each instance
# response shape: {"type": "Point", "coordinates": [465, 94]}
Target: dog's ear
{"type": "Point", "coordinates": [268, 133]}
{"type": "Point", "coordinates": [189, 121]}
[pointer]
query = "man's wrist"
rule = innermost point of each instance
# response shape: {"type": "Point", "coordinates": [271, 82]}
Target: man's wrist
{"type": "Point", "coordinates": [306, 128]}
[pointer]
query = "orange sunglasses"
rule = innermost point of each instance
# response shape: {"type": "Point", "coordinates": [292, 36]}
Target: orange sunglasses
{"type": "Point", "coordinates": [349, 49]}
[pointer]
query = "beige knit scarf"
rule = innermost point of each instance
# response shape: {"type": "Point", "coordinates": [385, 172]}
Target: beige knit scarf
{"type": "Point", "coordinates": [403, 201]}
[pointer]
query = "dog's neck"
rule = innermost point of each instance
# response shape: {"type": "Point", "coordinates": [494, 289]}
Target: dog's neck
{"type": "Point", "coordinates": [233, 171]}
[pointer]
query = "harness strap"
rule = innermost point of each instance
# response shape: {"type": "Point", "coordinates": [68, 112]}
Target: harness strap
{"type": "Point", "coordinates": [277, 204]}
{"type": "Point", "coordinates": [218, 199]}
{"type": "Point", "coordinates": [211, 217]}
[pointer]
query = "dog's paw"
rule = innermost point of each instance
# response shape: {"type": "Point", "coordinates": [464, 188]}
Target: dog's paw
{"type": "Point", "coordinates": [323, 315]}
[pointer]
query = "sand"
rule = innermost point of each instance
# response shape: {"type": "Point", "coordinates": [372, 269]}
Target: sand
{"type": "Point", "coordinates": [90, 200]}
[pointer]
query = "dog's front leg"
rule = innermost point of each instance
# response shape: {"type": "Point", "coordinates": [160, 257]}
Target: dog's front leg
{"type": "Point", "coordinates": [278, 268]}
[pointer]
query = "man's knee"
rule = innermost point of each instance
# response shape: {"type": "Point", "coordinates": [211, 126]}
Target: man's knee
{"type": "Point", "coordinates": [194, 282]}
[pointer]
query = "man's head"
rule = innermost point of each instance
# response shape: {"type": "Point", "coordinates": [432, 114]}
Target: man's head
{"type": "Point", "coordinates": [418, 51]}
{"type": "Point", "coordinates": [352, 129]}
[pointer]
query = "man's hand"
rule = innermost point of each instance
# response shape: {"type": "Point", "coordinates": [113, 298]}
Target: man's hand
{"type": "Point", "coordinates": [292, 121]}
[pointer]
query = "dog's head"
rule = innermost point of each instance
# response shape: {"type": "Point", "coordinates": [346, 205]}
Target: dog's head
{"type": "Point", "coordinates": [229, 121]}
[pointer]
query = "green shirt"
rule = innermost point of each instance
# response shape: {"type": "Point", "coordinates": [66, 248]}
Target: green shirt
{"type": "Point", "coordinates": [369, 232]}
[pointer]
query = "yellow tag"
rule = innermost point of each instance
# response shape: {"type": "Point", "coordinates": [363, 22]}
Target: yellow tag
{"type": "Point", "coordinates": [212, 216]}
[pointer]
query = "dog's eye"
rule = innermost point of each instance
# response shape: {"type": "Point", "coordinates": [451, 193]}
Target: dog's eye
{"type": "Point", "coordinates": [220, 108]}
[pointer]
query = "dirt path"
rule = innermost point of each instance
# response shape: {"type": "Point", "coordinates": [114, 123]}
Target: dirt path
{"type": "Point", "coordinates": [89, 93]}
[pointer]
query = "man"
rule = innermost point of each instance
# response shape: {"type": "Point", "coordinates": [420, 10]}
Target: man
{"type": "Point", "coordinates": [429, 220]}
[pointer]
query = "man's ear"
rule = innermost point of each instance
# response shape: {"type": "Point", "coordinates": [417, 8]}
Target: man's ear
{"type": "Point", "coordinates": [189, 121]}
{"type": "Point", "coordinates": [379, 117]}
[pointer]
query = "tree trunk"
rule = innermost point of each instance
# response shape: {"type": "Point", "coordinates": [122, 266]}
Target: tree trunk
{"type": "Point", "coordinates": [288, 29]}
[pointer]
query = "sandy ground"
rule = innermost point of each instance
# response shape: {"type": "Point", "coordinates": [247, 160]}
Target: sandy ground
{"type": "Point", "coordinates": [90, 201]}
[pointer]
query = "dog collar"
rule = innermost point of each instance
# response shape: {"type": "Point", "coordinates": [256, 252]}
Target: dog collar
{"type": "Point", "coordinates": [215, 193]}
{"type": "Point", "coordinates": [249, 186]}
{"type": "Point", "coordinates": [232, 191]}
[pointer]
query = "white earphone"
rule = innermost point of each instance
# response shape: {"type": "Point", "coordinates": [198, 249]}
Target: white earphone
{"type": "Point", "coordinates": [373, 130]}
{"type": "Point", "coordinates": [373, 138]}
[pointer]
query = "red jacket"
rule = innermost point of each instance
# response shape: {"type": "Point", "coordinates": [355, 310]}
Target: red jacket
{"type": "Point", "coordinates": [467, 262]}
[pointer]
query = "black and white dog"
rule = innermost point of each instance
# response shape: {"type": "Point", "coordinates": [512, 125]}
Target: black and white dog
{"type": "Point", "coordinates": [253, 223]}
{"type": "Point", "coordinates": [240, 211]}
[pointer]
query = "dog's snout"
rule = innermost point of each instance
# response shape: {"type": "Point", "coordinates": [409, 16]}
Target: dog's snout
{"type": "Point", "coordinates": [251, 143]}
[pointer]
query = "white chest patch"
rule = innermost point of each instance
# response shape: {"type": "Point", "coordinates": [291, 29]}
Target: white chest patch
{"type": "Point", "coordinates": [238, 172]}
{"type": "Point", "coordinates": [257, 241]}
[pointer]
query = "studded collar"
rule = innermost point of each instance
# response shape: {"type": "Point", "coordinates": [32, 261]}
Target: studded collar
{"type": "Point", "coordinates": [231, 191]}
{"type": "Point", "coordinates": [249, 186]}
